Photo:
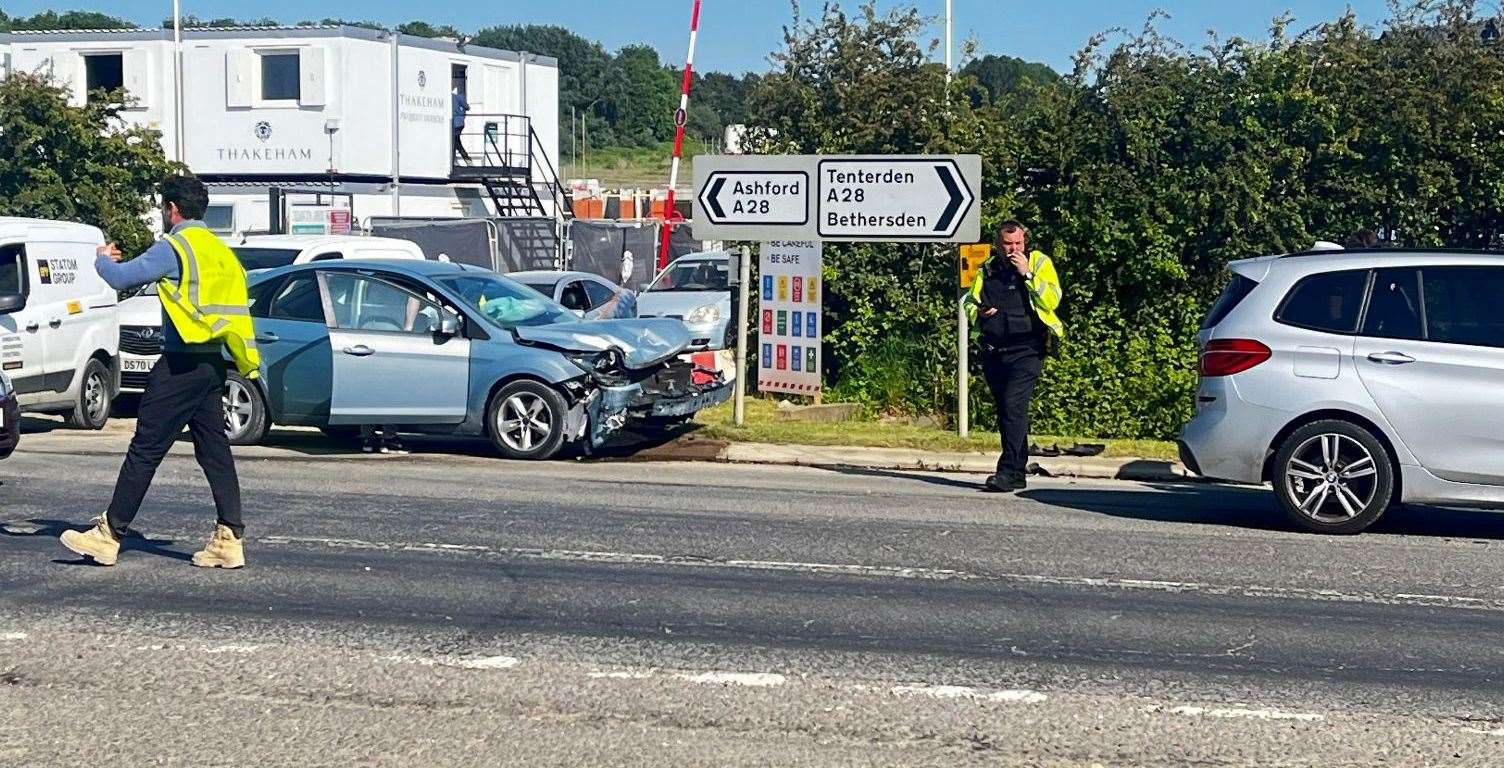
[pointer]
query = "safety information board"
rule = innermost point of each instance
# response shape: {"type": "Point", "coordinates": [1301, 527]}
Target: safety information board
{"type": "Point", "coordinates": [791, 320]}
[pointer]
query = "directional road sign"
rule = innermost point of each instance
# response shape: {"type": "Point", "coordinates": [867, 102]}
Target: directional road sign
{"type": "Point", "coordinates": [764, 198]}
{"type": "Point", "coordinates": [851, 198]}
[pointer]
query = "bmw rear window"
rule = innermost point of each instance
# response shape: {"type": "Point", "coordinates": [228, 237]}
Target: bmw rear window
{"type": "Point", "coordinates": [1231, 297]}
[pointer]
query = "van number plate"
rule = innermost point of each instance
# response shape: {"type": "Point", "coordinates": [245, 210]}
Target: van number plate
{"type": "Point", "coordinates": [135, 366]}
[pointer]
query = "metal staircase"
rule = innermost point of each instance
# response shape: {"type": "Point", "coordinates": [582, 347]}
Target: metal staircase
{"type": "Point", "coordinates": [504, 156]}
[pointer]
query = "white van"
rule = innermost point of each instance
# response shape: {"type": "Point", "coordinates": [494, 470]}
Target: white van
{"type": "Point", "coordinates": [59, 320]}
{"type": "Point", "coordinates": [141, 315]}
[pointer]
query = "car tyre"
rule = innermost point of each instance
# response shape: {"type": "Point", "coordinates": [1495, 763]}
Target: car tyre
{"type": "Point", "coordinates": [525, 420]}
{"type": "Point", "coordinates": [92, 409]}
{"type": "Point", "coordinates": [246, 419]}
{"type": "Point", "coordinates": [1333, 477]}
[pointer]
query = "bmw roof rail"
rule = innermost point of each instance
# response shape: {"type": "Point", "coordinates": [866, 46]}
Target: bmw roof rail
{"type": "Point", "coordinates": [1395, 249]}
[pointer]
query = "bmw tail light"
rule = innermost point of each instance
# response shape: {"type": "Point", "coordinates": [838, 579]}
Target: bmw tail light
{"type": "Point", "coordinates": [1225, 357]}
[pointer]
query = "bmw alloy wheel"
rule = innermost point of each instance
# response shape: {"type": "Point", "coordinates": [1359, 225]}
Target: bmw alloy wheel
{"type": "Point", "coordinates": [239, 410]}
{"type": "Point", "coordinates": [525, 421]}
{"type": "Point", "coordinates": [1331, 478]}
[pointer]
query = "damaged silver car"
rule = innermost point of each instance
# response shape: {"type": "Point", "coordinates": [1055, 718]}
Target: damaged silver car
{"type": "Point", "coordinates": [446, 348]}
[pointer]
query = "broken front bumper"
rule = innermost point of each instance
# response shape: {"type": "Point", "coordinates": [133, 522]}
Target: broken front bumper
{"type": "Point", "coordinates": [687, 404]}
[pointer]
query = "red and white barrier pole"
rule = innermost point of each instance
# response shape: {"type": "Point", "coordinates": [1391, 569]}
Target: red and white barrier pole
{"type": "Point", "coordinates": [681, 118]}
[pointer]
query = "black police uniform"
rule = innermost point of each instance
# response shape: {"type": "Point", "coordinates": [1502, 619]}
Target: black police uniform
{"type": "Point", "coordinates": [1013, 345]}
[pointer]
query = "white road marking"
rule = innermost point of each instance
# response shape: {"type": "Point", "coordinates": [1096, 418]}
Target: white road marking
{"type": "Point", "coordinates": [907, 572]}
{"type": "Point", "coordinates": [1494, 732]}
{"type": "Point", "coordinates": [626, 674]}
{"type": "Point", "coordinates": [233, 648]}
{"type": "Point", "coordinates": [1016, 696]}
{"type": "Point", "coordinates": [490, 662]}
{"type": "Point", "coordinates": [748, 679]}
{"type": "Point", "coordinates": [1238, 712]}
{"type": "Point", "coordinates": [484, 662]}
{"type": "Point", "coordinates": [12, 635]}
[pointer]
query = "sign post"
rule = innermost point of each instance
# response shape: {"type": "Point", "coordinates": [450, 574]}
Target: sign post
{"type": "Point", "coordinates": [972, 259]}
{"type": "Point", "coordinates": [745, 269]}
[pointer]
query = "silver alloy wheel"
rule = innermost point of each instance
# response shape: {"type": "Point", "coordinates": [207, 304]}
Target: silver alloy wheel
{"type": "Point", "coordinates": [238, 409]}
{"type": "Point", "coordinates": [524, 421]}
{"type": "Point", "coordinates": [96, 398]}
{"type": "Point", "coordinates": [1332, 478]}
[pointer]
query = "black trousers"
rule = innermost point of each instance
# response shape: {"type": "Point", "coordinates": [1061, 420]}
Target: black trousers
{"type": "Point", "coordinates": [1011, 376]}
{"type": "Point", "coordinates": [459, 145]}
{"type": "Point", "coordinates": [181, 390]}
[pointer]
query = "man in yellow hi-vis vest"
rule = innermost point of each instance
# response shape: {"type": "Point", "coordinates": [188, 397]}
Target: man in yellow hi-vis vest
{"type": "Point", "coordinates": [1012, 305]}
{"type": "Point", "coordinates": [204, 316]}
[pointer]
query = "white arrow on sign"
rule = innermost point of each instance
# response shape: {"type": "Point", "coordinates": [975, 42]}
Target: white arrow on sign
{"type": "Point", "coordinates": [892, 198]}
{"type": "Point", "coordinates": [756, 197]}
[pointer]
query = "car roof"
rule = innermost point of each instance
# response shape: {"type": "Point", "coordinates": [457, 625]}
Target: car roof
{"type": "Point", "coordinates": [302, 242]}
{"type": "Point", "coordinates": [413, 267]}
{"type": "Point", "coordinates": [1311, 262]}
{"type": "Point", "coordinates": [538, 275]}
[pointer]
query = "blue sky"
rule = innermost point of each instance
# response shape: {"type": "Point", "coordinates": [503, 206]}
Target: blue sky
{"type": "Point", "coordinates": [736, 35]}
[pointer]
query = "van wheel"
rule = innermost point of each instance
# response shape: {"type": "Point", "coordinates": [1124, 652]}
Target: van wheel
{"type": "Point", "coordinates": [245, 411]}
{"type": "Point", "coordinates": [92, 410]}
{"type": "Point", "coordinates": [1333, 477]}
{"type": "Point", "coordinates": [526, 420]}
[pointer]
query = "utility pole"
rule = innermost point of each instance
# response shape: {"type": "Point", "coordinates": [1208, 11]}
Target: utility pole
{"type": "Point", "coordinates": [177, 82]}
{"type": "Point", "coordinates": [947, 42]}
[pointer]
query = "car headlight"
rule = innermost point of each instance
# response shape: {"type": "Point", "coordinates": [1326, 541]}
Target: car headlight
{"type": "Point", "coordinates": [710, 313]}
{"type": "Point", "coordinates": [608, 365]}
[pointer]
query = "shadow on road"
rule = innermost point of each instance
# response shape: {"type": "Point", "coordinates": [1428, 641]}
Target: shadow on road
{"type": "Point", "coordinates": [133, 541]}
{"type": "Point", "coordinates": [1257, 509]}
{"type": "Point", "coordinates": [892, 474]}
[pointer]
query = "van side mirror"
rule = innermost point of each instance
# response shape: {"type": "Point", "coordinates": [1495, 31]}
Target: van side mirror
{"type": "Point", "coordinates": [11, 302]}
{"type": "Point", "coordinates": [449, 325]}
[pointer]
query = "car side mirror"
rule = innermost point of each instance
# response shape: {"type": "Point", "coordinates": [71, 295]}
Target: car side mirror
{"type": "Point", "coordinates": [12, 302]}
{"type": "Point", "coordinates": [449, 325]}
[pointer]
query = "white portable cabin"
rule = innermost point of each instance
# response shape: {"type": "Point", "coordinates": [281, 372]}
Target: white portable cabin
{"type": "Point", "coordinates": [363, 114]}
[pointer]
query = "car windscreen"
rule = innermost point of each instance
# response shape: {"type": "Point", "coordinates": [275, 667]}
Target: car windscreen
{"type": "Point", "coordinates": [264, 258]}
{"type": "Point", "coordinates": [506, 303]}
{"type": "Point", "coordinates": [694, 276]}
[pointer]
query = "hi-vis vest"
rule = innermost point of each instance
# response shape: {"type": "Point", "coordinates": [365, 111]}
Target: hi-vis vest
{"type": "Point", "coordinates": [209, 301]}
{"type": "Point", "coordinates": [1044, 292]}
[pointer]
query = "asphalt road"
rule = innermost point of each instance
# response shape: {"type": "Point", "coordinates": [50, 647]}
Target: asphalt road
{"type": "Point", "coordinates": [447, 609]}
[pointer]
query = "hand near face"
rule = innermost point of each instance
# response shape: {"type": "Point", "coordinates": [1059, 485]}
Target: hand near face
{"type": "Point", "coordinates": [1020, 262]}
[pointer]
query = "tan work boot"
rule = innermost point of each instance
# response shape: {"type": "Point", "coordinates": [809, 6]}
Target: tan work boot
{"type": "Point", "coordinates": [98, 543]}
{"type": "Point", "coordinates": [222, 551]}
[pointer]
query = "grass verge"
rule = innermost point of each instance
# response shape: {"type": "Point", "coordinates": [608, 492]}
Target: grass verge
{"type": "Point", "coordinates": [764, 426]}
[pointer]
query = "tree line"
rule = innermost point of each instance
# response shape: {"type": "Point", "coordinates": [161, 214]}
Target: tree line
{"type": "Point", "coordinates": [1142, 172]}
